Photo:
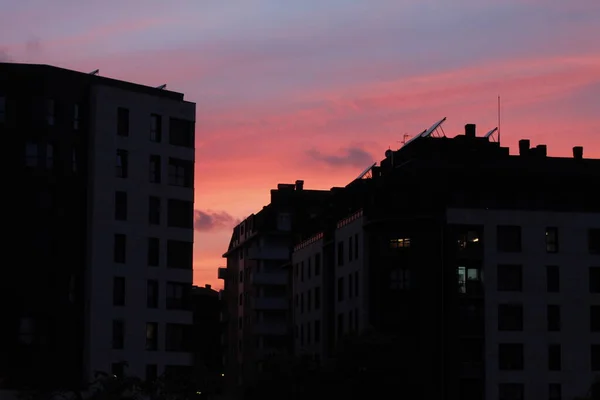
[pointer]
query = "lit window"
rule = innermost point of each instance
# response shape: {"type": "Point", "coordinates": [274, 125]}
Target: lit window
{"type": "Point", "coordinates": [400, 243]}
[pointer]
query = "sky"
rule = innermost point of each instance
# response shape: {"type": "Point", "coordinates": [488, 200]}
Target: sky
{"type": "Point", "coordinates": [319, 89]}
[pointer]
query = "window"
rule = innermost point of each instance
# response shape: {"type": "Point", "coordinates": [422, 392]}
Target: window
{"type": "Point", "coordinates": [118, 291]}
{"type": "Point", "coordinates": [301, 271]}
{"type": "Point", "coordinates": [241, 303]}
{"type": "Point", "coordinates": [594, 318]}
{"type": "Point", "coordinates": [469, 280]}
{"type": "Point", "coordinates": [50, 112]}
{"type": "Point", "coordinates": [26, 330]}
{"type": "Point", "coordinates": [595, 357]}
{"type": "Point", "coordinates": [594, 241]}
{"type": "Point", "coordinates": [554, 357]}
{"type": "Point", "coordinates": [340, 289]}
{"type": "Point", "coordinates": [552, 240]}
{"type": "Point", "coordinates": [356, 283]}
{"type": "Point", "coordinates": [76, 117]}
{"type": "Point", "coordinates": [155, 128]}
{"type": "Point", "coordinates": [181, 132]}
{"type": "Point", "coordinates": [400, 243]}
{"type": "Point", "coordinates": [175, 337]}
{"type": "Point", "coordinates": [122, 163]}
{"type": "Point", "coordinates": [552, 279]}
{"type": "Point", "coordinates": [120, 248]}
{"type": "Point", "coordinates": [151, 336]}
{"type": "Point", "coordinates": [177, 295]}
{"type": "Point", "coordinates": [308, 269]}
{"type": "Point", "coordinates": [181, 172]}
{"type": "Point", "coordinates": [301, 303]}
{"type": "Point", "coordinates": [180, 214]}
{"type": "Point", "coordinates": [553, 317]}
{"type": "Point", "coordinates": [317, 298]}
{"type": "Point", "coordinates": [511, 391]}
{"type": "Point", "coordinates": [118, 334]}
{"type": "Point", "coordinates": [317, 328]}
{"type": "Point", "coordinates": [122, 121]}
{"type": "Point", "coordinates": [554, 391]}
{"type": "Point", "coordinates": [400, 279]}
{"type": "Point", "coordinates": [74, 161]}
{"type": "Point", "coordinates": [510, 317]}
{"type": "Point", "coordinates": [118, 369]}
{"type": "Point", "coordinates": [317, 264]}
{"type": "Point", "coordinates": [510, 357]}
{"type": "Point", "coordinates": [340, 325]}
{"type": "Point", "coordinates": [49, 156]}
{"type": "Point", "coordinates": [121, 206]}
{"type": "Point", "coordinates": [350, 252]}
{"type": "Point", "coordinates": [284, 222]}
{"type": "Point", "coordinates": [152, 294]}
{"type": "Point", "coordinates": [154, 168]}
{"type": "Point", "coordinates": [340, 254]}
{"type": "Point", "coordinates": [510, 278]}
{"type": "Point", "coordinates": [154, 210]}
{"type": "Point", "coordinates": [508, 238]}
{"type": "Point", "coordinates": [179, 254]}
{"type": "Point", "coordinates": [2, 109]}
{"type": "Point", "coordinates": [31, 154]}
{"type": "Point", "coordinates": [594, 276]}
{"type": "Point", "coordinates": [356, 246]}
{"type": "Point", "coordinates": [151, 372]}
{"type": "Point", "coordinates": [350, 286]}
{"type": "Point", "coordinates": [153, 252]}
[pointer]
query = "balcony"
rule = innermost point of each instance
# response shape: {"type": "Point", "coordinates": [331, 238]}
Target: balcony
{"type": "Point", "coordinates": [270, 328]}
{"type": "Point", "coordinates": [270, 303]}
{"type": "Point", "coordinates": [270, 278]}
{"type": "Point", "coordinates": [269, 253]}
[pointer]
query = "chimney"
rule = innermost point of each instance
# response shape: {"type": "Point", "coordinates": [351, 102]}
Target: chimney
{"type": "Point", "coordinates": [542, 150]}
{"type": "Point", "coordinates": [208, 286]}
{"type": "Point", "coordinates": [523, 147]}
{"type": "Point", "coordinates": [299, 185]}
{"type": "Point", "coordinates": [578, 152]}
{"type": "Point", "coordinates": [470, 130]}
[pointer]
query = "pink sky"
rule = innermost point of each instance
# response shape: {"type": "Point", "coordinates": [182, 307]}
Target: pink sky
{"type": "Point", "coordinates": [317, 90]}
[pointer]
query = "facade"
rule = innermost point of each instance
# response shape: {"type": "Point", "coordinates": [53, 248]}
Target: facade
{"type": "Point", "coordinates": [106, 217]}
{"type": "Point", "coordinates": [484, 264]}
{"type": "Point", "coordinates": [256, 287]}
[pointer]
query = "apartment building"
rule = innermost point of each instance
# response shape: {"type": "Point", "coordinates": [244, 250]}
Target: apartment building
{"type": "Point", "coordinates": [483, 263]}
{"type": "Point", "coordinates": [103, 229]}
{"type": "Point", "coordinates": [256, 287]}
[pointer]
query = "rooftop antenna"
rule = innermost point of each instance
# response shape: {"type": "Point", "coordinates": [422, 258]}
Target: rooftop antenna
{"type": "Point", "coordinates": [161, 87]}
{"type": "Point", "coordinates": [404, 137]}
{"type": "Point", "coordinates": [498, 119]}
{"type": "Point", "coordinates": [95, 72]}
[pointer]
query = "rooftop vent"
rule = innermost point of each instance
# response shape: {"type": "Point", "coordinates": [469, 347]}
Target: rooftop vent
{"type": "Point", "coordinates": [299, 185]}
{"type": "Point", "coordinates": [524, 147]}
{"type": "Point", "coordinates": [542, 150]}
{"type": "Point", "coordinates": [470, 130]}
{"type": "Point", "coordinates": [578, 152]}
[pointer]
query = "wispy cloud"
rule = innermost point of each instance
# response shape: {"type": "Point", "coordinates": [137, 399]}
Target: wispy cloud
{"type": "Point", "coordinates": [213, 220]}
{"type": "Point", "coordinates": [352, 156]}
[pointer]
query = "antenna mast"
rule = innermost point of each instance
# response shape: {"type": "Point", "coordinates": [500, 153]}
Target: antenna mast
{"type": "Point", "coordinates": [498, 119]}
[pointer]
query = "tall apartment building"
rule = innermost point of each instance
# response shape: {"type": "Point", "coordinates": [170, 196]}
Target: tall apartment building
{"type": "Point", "coordinates": [256, 287]}
{"type": "Point", "coordinates": [485, 264]}
{"type": "Point", "coordinates": [102, 177]}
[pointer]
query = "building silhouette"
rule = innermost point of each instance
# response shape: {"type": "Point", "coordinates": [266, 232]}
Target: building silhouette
{"type": "Point", "coordinates": [485, 265]}
{"type": "Point", "coordinates": [103, 227]}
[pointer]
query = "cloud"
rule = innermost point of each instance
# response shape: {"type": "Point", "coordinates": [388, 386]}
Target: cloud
{"type": "Point", "coordinates": [351, 156]}
{"type": "Point", "coordinates": [213, 220]}
{"type": "Point", "coordinates": [4, 56]}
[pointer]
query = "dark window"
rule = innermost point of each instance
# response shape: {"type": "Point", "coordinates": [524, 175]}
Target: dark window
{"type": "Point", "coordinates": [340, 253]}
{"type": "Point", "coordinates": [179, 254]}
{"type": "Point", "coordinates": [180, 214]}
{"type": "Point", "coordinates": [155, 168]}
{"type": "Point", "coordinates": [595, 357]}
{"type": "Point", "coordinates": [350, 252]}
{"type": "Point", "coordinates": [356, 283]}
{"type": "Point", "coordinates": [76, 117]}
{"type": "Point", "coordinates": [511, 391]}
{"type": "Point", "coordinates": [317, 264]}
{"type": "Point", "coordinates": [301, 303]}
{"type": "Point", "coordinates": [356, 246]}
{"type": "Point", "coordinates": [554, 357]}
{"type": "Point", "coordinates": [510, 356]}
{"type": "Point", "coordinates": [50, 111]}
{"type": "Point", "coordinates": [308, 268]}
{"type": "Point", "coordinates": [552, 279]}
{"type": "Point", "coordinates": [175, 337]}
{"type": "Point", "coordinates": [122, 163]}
{"type": "Point", "coordinates": [508, 238]}
{"type": "Point", "coordinates": [340, 325]}
{"type": "Point", "coordinates": [552, 240]}
{"type": "Point", "coordinates": [594, 241]}
{"type": "Point", "coordinates": [151, 336]}
{"type": "Point", "coordinates": [122, 121]}
{"type": "Point", "coordinates": [308, 300]}
{"type": "Point", "coordinates": [155, 128]}
{"type": "Point", "coordinates": [594, 318]}
{"type": "Point", "coordinates": [154, 210]}
{"type": "Point", "coordinates": [152, 294]}
{"type": "Point", "coordinates": [118, 334]}
{"type": "Point", "coordinates": [181, 132]}
{"type": "Point", "coordinates": [153, 252]}
{"type": "Point", "coordinates": [553, 317]}
{"type": "Point", "coordinates": [181, 172]}
{"type": "Point", "coordinates": [594, 276]}
{"type": "Point", "coordinates": [32, 154]}
{"type": "Point", "coordinates": [317, 298]}
{"type": "Point", "coordinates": [120, 248]}
{"type": "Point", "coordinates": [510, 278]}
{"type": "Point", "coordinates": [118, 369]}
{"type": "Point", "coordinates": [350, 286]}
{"type": "Point", "coordinates": [340, 289]}
{"type": "Point", "coordinates": [317, 331]}
{"type": "Point", "coordinates": [121, 206]}
{"type": "Point", "coordinates": [118, 291]}
{"type": "Point", "coordinates": [301, 271]}
{"type": "Point", "coordinates": [554, 391]}
{"type": "Point", "coordinates": [177, 294]}
{"type": "Point", "coordinates": [510, 317]}
{"type": "Point", "coordinates": [400, 279]}
{"type": "Point", "coordinates": [151, 372]}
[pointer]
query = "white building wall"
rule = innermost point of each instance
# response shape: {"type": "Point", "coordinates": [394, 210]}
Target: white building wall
{"type": "Point", "coordinates": [573, 260]}
{"type": "Point", "coordinates": [101, 269]}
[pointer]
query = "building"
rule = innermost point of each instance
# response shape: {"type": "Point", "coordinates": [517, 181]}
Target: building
{"type": "Point", "coordinates": [485, 264]}
{"type": "Point", "coordinates": [103, 227]}
{"type": "Point", "coordinates": [256, 287]}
